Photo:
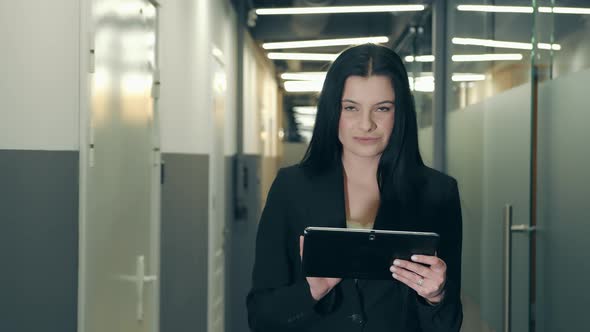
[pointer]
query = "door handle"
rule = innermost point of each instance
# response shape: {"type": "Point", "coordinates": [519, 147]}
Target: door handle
{"type": "Point", "coordinates": [509, 228]}
{"type": "Point", "coordinates": [507, 265]}
{"type": "Point", "coordinates": [139, 279]}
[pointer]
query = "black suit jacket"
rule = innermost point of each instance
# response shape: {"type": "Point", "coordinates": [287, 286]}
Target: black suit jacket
{"type": "Point", "coordinates": [280, 299]}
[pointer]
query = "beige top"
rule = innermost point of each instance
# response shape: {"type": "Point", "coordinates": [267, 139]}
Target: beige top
{"type": "Point", "coordinates": [356, 224]}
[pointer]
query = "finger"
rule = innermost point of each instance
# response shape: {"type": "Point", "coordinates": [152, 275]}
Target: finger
{"type": "Point", "coordinates": [414, 267]}
{"type": "Point", "coordinates": [434, 262]}
{"type": "Point", "coordinates": [407, 282]}
{"type": "Point", "coordinates": [424, 290]}
{"type": "Point", "coordinates": [301, 246]}
{"type": "Point", "coordinates": [407, 275]}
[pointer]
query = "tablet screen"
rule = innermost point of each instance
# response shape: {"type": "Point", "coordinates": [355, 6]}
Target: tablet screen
{"type": "Point", "coordinates": [361, 253]}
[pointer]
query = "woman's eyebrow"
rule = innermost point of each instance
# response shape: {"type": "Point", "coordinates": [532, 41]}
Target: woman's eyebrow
{"type": "Point", "coordinates": [349, 100]}
{"type": "Point", "coordinates": [385, 102]}
{"type": "Point", "coordinates": [379, 103]}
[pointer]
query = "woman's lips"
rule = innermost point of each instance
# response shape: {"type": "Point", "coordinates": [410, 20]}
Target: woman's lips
{"type": "Point", "coordinates": [367, 140]}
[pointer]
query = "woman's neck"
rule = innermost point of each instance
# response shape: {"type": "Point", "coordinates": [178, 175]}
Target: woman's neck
{"type": "Point", "coordinates": [361, 169]}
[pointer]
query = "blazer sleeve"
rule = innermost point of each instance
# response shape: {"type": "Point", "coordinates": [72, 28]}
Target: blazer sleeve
{"type": "Point", "coordinates": [278, 300]}
{"type": "Point", "coordinates": [447, 315]}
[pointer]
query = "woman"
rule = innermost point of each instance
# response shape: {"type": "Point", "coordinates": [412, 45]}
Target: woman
{"type": "Point", "coordinates": [362, 169]}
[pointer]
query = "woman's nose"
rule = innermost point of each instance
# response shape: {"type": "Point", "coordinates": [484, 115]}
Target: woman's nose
{"type": "Point", "coordinates": [366, 122]}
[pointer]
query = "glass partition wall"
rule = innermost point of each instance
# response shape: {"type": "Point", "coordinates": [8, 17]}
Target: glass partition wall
{"type": "Point", "coordinates": [515, 141]}
{"type": "Point", "coordinates": [415, 48]}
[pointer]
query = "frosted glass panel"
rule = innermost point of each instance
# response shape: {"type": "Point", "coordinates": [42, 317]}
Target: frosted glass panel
{"type": "Point", "coordinates": [464, 162]}
{"type": "Point", "coordinates": [506, 181]}
{"type": "Point", "coordinates": [563, 215]}
{"type": "Point", "coordinates": [119, 241]}
{"type": "Point", "coordinates": [488, 151]}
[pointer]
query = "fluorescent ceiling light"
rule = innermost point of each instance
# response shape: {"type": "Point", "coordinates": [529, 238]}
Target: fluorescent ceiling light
{"type": "Point", "coordinates": [565, 10]}
{"type": "Point", "coordinates": [523, 9]}
{"type": "Point", "coordinates": [422, 83]}
{"type": "Point", "coordinates": [304, 76]}
{"type": "Point", "coordinates": [545, 46]}
{"type": "Point", "coordinates": [305, 121]}
{"type": "Point", "coordinates": [495, 9]}
{"type": "Point", "coordinates": [487, 57]}
{"type": "Point", "coordinates": [305, 110]}
{"type": "Point", "coordinates": [469, 57]}
{"type": "Point", "coordinates": [305, 133]}
{"type": "Point", "coordinates": [419, 58]}
{"type": "Point", "coordinates": [325, 42]}
{"type": "Point", "coordinates": [303, 86]}
{"type": "Point", "coordinates": [468, 77]}
{"type": "Point", "coordinates": [339, 10]}
{"type": "Point", "coordinates": [503, 44]}
{"type": "Point", "coordinates": [303, 56]}
{"type": "Point", "coordinates": [426, 83]}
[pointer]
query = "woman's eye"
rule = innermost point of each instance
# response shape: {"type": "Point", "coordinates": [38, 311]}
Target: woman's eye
{"type": "Point", "coordinates": [383, 109]}
{"type": "Point", "coordinates": [349, 108]}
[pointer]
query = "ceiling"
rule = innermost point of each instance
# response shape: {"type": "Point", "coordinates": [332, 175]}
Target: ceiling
{"type": "Point", "coordinates": [281, 28]}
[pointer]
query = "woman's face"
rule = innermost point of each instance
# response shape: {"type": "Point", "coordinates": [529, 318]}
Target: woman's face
{"type": "Point", "coordinates": [366, 119]}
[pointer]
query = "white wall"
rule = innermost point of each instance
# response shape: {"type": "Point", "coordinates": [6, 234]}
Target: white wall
{"type": "Point", "coordinates": [251, 103]}
{"type": "Point", "coordinates": [39, 94]}
{"type": "Point", "coordinates": [260, 103]}
{"type": "Point", "coordinates": [184, 75]}
{"type": "Point", "coordinates": [224, 37]}
{"type": "Point", "coordinates": [188, 31]}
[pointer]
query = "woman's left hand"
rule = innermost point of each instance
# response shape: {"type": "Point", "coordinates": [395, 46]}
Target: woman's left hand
{"type": "Point", "coordinates": [428, 281]}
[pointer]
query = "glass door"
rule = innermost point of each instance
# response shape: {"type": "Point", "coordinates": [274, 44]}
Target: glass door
{"type": "Point", "coordinates": [489, 150]}
{"type": "Point", "coordinates": [563, 161]}
{"type": "Point", "coordinates": [119, 231]}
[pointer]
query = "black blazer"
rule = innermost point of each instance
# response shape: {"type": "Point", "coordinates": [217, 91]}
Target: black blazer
{"type": "Point", "coordinates": [280, 299]}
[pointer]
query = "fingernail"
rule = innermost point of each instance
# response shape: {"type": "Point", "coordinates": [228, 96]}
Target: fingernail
{"type": "Point", "coordinates": [394, 275]}
{"type": "Point", "coordinates": [396, 262]}
{"type": "Point", "coordinates": [392, 269]}
{"type": "Point", "coordinates": [414, 257]}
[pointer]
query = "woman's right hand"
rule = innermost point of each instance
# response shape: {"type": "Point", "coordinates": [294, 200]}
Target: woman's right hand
{"type": "Point", "coordinates": [318, 287]}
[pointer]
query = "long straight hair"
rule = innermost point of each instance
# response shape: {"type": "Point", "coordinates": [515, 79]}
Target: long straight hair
{"type": "Point", "coordinates": [400, 163]}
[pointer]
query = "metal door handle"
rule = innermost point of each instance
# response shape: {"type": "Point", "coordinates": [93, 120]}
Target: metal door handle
{"type": "Point", "coordinates": [139, 279]}
{"type": "Point", "coordinates": [508, 230]}
{"type": "Point", "coordinates": [523, 228]}
{"type": "Point", "coordinates": [507, 264]}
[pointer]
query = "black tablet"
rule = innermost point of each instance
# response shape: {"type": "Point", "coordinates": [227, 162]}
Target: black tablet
{"type": "Point", "coordinates": [361, 253]}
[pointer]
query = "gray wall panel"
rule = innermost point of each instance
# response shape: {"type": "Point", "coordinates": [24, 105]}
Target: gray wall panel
{"type": "Point", "coordinates": [242, 243]}
{"type": "Point", "coordinates": [38, 240]}
{"type": "Point", "coordinates": [184, 245]}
